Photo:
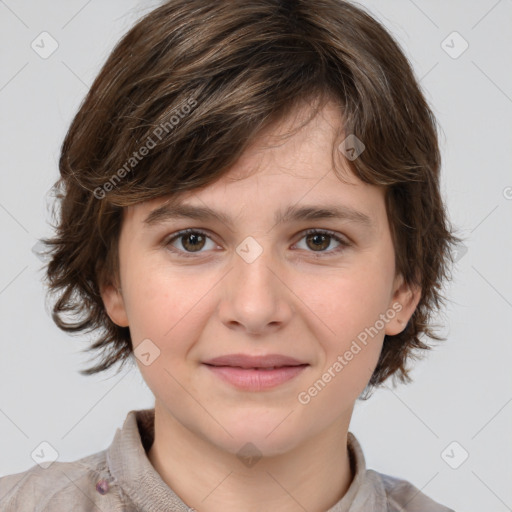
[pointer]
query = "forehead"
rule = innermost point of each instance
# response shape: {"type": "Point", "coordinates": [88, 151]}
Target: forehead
{"type": "Point", "coordinates": [288, 168]}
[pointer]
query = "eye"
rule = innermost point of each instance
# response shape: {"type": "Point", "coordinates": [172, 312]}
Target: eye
{"type": "Point", "coordinates": [193, 240]}
{"type": "Point", "coordinates": [321, 239]}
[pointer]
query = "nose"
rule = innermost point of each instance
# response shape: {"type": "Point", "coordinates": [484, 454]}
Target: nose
{"type": "Point", "coordinates": [256, 298]}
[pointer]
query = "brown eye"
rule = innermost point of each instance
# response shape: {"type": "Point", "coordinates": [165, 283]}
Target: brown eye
{"type": "Point", "coordinates": [318, 241]}
{"type": "Point", "coordinates": [190, 241]}
{"type": "Point", "coordinates": [193, 241]}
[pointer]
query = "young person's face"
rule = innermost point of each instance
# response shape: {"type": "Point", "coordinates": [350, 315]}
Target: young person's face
{"type": "Point", "coordinates": [304, 296]}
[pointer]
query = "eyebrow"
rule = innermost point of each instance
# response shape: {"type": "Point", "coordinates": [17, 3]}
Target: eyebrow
{"type": "Point", "coordinates": [169, 211]}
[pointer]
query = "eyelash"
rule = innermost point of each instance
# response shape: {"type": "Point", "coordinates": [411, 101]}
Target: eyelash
{"type": "Point", "coordinates": [343, 243]}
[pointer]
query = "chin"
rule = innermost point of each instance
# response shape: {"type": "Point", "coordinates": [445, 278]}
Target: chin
{"type": "Point", "coordinates": [267, 440]}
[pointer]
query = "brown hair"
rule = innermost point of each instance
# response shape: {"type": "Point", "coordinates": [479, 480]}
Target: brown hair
{"type": "Point", "coordinates": [193, 82]}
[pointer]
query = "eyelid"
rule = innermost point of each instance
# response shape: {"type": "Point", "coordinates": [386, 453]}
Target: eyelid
{"type": "Point", "coordinates": [343, 240]}
{"type": "Point", "coordinates": [178, 234]}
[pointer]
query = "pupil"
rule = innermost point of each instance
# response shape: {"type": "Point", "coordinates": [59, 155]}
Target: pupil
{"type": "Point", "coordinates": [319, 240]}
{"type": "Point", "coordinates": [195, 239]}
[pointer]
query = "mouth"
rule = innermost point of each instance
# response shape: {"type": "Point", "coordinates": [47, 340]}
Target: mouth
{"type": "Point", "coordinates": [254, 367]}
{"type": "Point", "coordinates": [247, 361]}
{"type": "Point", "coordinates": [255, 373]}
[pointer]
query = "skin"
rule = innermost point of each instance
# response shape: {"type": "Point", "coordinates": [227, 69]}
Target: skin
{"type": "Point", "coordinates": [286, 301]}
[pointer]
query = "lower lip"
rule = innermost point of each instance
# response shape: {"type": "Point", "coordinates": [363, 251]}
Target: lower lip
{"type": "Point", "coordinates": [252, 379]}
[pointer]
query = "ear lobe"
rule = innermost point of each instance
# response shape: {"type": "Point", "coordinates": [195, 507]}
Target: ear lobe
{"type": "Point", "coordinates": [405, 300]}
{"type": "Point", "coordinates": [114, 305]}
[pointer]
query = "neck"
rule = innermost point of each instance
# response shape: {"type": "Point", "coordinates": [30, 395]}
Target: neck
{"type": "Point", "coordinates": [313, 476]}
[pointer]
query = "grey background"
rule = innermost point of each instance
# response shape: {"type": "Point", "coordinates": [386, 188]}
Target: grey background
{"type": "Point", "coordinates": [461, 392]}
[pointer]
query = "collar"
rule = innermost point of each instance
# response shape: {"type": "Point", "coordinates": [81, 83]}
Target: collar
{"type": "Point", "coordinates": [130, 466]}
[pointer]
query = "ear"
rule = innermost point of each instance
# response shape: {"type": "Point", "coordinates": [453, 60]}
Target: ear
{"type": "Point", "coordinates": [114, 304]}
{"type": "Point", "coordinates": [404, 302]}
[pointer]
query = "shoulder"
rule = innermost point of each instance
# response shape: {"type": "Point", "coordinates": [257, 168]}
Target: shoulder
{"type": "Point", "coordinates": [402, 496]}
{"type": "Point", "coordinates": [53, 488]}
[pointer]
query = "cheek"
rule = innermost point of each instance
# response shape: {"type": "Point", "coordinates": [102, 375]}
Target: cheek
{"type": "Point", "coordinates": [164, 305]}
{"type": "Point", "coordinates": [347, 320]}
{"type": "Point", "coordinates": [346, 301]}
{"type": "Point", "coordinates": [146, 295]}
{"type": "Point", "coordinates": [352, 343]}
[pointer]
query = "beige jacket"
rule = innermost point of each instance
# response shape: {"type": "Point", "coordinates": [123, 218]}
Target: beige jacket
{"type": "Point", "coordinates": [122, 479]}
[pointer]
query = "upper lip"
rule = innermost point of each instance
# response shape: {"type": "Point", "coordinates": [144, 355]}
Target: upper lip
{"type": "Point", "coordinates": [247, 361]}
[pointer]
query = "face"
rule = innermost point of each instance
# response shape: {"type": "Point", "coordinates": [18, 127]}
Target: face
{"type": "Point", "coordinates": [320, 290]}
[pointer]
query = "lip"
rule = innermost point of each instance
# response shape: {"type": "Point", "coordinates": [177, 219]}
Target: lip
{"type": "Point", "coordinates": [248, 361]}
{"type": "Point", "coordinates": [247, 372]}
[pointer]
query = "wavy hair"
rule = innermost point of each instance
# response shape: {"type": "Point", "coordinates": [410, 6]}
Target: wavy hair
{"type": "Point", "coordinates": [194, 82]}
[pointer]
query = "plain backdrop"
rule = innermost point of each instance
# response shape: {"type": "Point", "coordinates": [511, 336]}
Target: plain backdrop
{"type": "Point", "coordinates": [460, 403]}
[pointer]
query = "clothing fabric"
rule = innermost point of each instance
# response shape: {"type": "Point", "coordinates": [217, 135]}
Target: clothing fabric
{"type": "Point", "coordinates": [121, 478]}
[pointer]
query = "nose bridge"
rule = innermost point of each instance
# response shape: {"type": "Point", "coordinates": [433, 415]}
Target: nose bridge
{"type": "Point", "coordinates": [256, 297]}
{"type": "Point", "coordinates": [252, 268]}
